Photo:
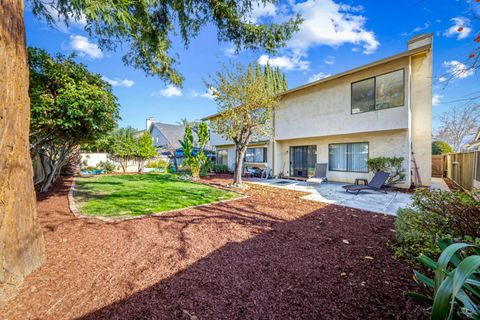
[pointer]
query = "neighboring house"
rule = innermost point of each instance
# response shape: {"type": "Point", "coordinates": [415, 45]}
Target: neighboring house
{"type": "Point", "coordinates": [166, 137]}
{"type": "Point", "coordinates": [380, 109]}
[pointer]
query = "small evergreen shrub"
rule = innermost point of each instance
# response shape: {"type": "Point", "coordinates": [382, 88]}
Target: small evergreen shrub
{"type": "Point", "coordinates": [159, 164]}
{"type": "Point", "coordinates": [107, 166]}
{"type": "Point", "coordinates": [392, 165]}
{"type": "Point", "coordinates": [220, 168]}
{"type": "Point", "coordinates": [436, 214]}
{"type": "Point", "coordinates": [417, 232]}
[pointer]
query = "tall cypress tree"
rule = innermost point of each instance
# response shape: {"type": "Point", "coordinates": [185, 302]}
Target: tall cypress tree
{"type": "Point", "coordinates": [275, 79]}
{"type": "Point", "coordinates": [285, 83]}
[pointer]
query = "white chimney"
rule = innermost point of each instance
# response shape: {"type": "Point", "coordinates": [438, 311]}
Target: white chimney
{"type": "Point", "coordinates": [420, 41]}
{"type": "Point", "coordinates": [149, 122]}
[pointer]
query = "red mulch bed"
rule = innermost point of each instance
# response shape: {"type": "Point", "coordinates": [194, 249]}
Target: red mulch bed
{"type": "Point", "coordinates": [451, 185]}
{"type": "Point", "coordinates": [269, 256]}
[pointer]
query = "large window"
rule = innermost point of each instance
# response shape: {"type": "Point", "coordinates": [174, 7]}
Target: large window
{"type": "Point", "coordinates": [380, 92]}
{"type": "Point", "coordinates": [256, 155]}
{"type": "Point", "coordinates": [222, 157]}
{"type": "Point", "coordinates": [349, 157]}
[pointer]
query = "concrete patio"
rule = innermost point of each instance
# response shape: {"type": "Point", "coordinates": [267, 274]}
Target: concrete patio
{"type": "Point", "coordinates": [332, 192]}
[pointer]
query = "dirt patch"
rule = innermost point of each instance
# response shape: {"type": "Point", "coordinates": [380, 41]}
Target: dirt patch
{"type": "Point", "coordinates": [269, 256]}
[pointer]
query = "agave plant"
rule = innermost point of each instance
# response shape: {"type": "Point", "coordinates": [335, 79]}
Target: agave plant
{"type": "Point", "coordinates": [456, 282]}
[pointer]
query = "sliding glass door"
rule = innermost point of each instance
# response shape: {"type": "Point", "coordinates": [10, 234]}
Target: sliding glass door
{"type": "Point", "coordinates": [302, 161]}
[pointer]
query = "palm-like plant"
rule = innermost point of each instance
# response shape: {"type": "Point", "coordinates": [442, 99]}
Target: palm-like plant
{"type": "Point", "coordinates": [456, 283]}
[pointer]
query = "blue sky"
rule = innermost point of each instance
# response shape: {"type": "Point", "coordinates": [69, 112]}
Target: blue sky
{"type": "Point", "coordinates": [335, 36]}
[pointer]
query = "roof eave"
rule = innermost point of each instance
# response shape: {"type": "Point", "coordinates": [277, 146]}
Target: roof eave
{"type": "Point", "coordinates": [401, 55]}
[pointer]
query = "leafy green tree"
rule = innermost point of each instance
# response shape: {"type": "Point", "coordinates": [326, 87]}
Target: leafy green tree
{"type": "Point", "coordinates": [124, 146]}
{"type": "Point", "coordinates": [195, 158]}
{"type": "Point", "coordinates": [145, 149]}
{"type": "Point", "coordinates": [146, 25]}
{"type": "Point", "coordinates": [143, 26]}
{"type": "Point", "coordinates": [441, 147]}
{"type": "Point", "coordinates": [245, 100]}
{"type": "Point", "coordinates": [69, 106]}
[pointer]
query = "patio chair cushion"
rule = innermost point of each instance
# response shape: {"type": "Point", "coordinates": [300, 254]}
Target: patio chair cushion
{"type": "Point", "coordinates": [315, 180]}
{"type": "Point", "coordinates": [356, 187]}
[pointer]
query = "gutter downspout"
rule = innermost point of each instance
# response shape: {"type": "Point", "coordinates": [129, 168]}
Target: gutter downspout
{"type": "Point", "coordinates": [273, 144]}
{"type": "Point", "coordinates": [410, 145]}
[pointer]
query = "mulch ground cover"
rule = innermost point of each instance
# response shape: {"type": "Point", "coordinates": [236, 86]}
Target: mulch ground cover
{"type": "Point", "coordinates": [269, 256]}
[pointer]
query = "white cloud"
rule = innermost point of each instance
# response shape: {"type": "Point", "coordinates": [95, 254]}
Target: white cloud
{"type": "Point", "coordinates": [84, 47]}
{"type": "Point", "coordinates": [442, 79]}
{"type": "Point", "coordinates": [457, 70]}
{"type": "Point", "coordinates": [288, 63]}
{"type": "Point", "coordinates": [318, 76]}
{"type": "Point", "coordinates": [117, 82]}
{"type": "Point", "coordinates": [329, 60]}
{"type": "Point", "coordinates": [169, 91]}
{"type": "Point", "coordinates": [460, 28]}
{"type": "Point", "coordinates": [417, 29]}
{"type": "Point", "coordinates": [261, 10]}
{"type": "Point", "coordinates": [59, 21]}
{"type": "Point", "coordinates": [328, 23]}
{"type": "Point", "coordinates": [207, 95]}
{"type": "Point", "coordinates": [437, 99]}
{"type": "Point", "coordinates": [230, 52]}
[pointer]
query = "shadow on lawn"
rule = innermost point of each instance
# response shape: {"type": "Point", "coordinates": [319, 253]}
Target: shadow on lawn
{"type": "Point", "coordinates": [300, 269]}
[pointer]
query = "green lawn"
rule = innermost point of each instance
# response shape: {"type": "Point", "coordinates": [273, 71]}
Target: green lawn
{"type": "Point", "coordinates": [117, 196]}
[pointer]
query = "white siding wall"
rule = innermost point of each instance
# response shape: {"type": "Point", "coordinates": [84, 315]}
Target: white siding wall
{"type": "Point", "coordinates": [94, 158]}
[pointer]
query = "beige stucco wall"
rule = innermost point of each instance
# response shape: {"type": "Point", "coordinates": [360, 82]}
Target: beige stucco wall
{"type": "Point", "coordinates": [325, 109]}
{"type": "Point", "coordinates": [421, 118]}
{"type": "Point", "coordinates": [382, 143]}
{"type": "Point", "coordinates": [321, 114]}
{"type": "Point", "coordinates": [231, 155]}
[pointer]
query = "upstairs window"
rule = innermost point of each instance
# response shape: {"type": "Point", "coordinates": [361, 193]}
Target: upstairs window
{"type": "Point", "coordinates": [256, 155]}
{"type": "Point", "coordinates": [380, 92]}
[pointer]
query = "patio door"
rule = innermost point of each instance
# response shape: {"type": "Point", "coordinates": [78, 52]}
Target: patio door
{"type": "Point", "coordinates": [302, 161]}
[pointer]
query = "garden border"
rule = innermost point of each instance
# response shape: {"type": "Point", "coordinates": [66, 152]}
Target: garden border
{"type": "Point", "coordinates": [76, 212]}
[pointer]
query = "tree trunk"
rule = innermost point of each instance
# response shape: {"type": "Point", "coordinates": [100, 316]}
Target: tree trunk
{"type": "Point", "coordinates": [240, 154]}
{"type": "Point", "coordinates": [21, 240]}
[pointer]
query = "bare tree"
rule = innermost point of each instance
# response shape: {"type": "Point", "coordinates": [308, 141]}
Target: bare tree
{"type": "Point", "coordinates": [457, 124]}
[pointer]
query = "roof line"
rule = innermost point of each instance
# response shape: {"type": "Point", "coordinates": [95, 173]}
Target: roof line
{"type": "Point", "coordinates": [361, 68]}
{"type": "Point", "coordinates": [348, 72]}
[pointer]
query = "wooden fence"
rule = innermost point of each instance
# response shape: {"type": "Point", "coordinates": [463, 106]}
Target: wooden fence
{"type": "Point", "coordinates": [438, 168]}
{"type": "Point", "coordinates": [463, 168]}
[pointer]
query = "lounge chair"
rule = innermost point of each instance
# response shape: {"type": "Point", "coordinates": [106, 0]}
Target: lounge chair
{"type": "Point", "coordinates": [320, 174]}
{"type": "Point", "coordinates": [375, 184]}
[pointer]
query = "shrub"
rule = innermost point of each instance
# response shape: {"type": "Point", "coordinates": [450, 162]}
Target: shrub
{"type": "Point", "coordinates": [462, 209]}
{"type": "Point", "coordinates": [436, 214]}
{"type": "Point", "coordinates": [417, 232]}
{"type": "Point", "coordinates": [456, 289]}
{"type": "Point", "coordinates": [107, 166]}
{"type": "Point", "coordinates": [206, 167]}
{"type": "Point", "coordinates": [441, 147]}
{"type": "Point", "coordinates": [160, 164]}
{"type": "Point", "coordinates": [220, 168]}
{"type": "Point", "coordinates": [392, 165]}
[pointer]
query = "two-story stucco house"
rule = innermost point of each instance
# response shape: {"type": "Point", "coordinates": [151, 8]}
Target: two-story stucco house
{"type": "Point", "coordinates": [380, 109]}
